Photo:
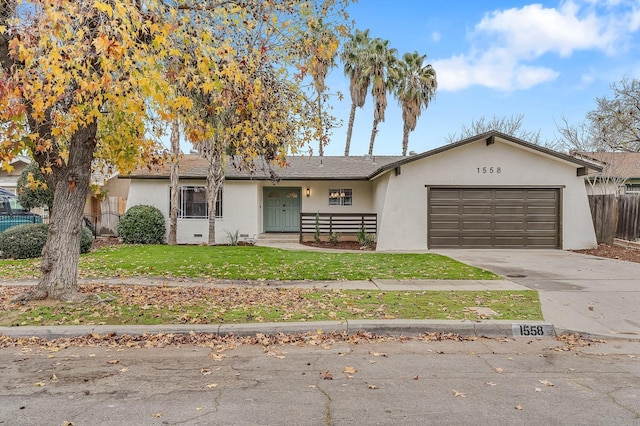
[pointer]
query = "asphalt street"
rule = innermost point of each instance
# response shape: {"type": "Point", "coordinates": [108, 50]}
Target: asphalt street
{"type": "Point", "coordinates": [415, 382]}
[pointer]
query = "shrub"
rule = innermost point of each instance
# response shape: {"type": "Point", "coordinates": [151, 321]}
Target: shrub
{"type": "Point", "coordinates": [232, 236]}
{"type": "Point", "coordinates": [334, 237]}
{"type": "Point", "coordinates": [316, 234]}
{"type": "Point", "coordinates": [142, 225]}
{"type": "Point", "coordinates": [26, 241]}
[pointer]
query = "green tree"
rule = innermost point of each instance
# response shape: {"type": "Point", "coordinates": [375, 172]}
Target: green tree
{"type": "Point", "coordinates": [378, 63]}
{"type": "Point", "coordinates": [414, 85]}
{"type": "Point", "coordinates": [352, 56]}
{"type": "Point", "coordinates": [32, 190]}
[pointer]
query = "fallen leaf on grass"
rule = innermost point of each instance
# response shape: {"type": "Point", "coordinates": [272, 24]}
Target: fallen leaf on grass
{"type": "Point", "coordinates": [460, 394]}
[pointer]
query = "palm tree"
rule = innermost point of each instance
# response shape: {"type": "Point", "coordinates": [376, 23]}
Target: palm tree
{"type": "Point", "coordinates": [352, 56]}
{"type": "Point", "coordinates": [379, 63]}
{"type": "Point", "coordinates": [414, 85]}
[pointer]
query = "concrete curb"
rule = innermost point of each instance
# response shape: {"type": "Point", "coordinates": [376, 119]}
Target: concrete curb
{"type": "Point", "coordinates": [492, 329]}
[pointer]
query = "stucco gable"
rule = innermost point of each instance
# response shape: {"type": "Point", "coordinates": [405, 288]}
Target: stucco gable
{"type": "Point", "coordinates": [490, 138]}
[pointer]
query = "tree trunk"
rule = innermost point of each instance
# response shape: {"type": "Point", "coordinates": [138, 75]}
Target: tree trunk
{"type": "Point", "coordinates": [61, 252]}
{"type": "Point", "coordinates": [374, 131]}
{"type": "Point", "coordinates": [320, 130]}
{"type": "Point", "coordinates": [405, 140]}
{"type": "Point", "coordinates": [175, 166]}
{"type": "Point", "coordinates": [352, 118]}
{"type": "Point", "coordinates": [215, 177]}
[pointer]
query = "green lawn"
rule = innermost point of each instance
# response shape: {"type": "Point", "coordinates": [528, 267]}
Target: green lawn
{"type": "Point", "coordinates": [136, 304]}
{"type": "Point", "coordinates": [254, 263]}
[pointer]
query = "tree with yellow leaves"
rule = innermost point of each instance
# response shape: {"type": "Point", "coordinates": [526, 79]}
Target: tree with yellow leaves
{"type": "Point", "coordinates": [89, 81]}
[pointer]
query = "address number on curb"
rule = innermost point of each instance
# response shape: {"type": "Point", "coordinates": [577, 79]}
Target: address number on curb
{"type": "Point", "coordinates": [533, 330]}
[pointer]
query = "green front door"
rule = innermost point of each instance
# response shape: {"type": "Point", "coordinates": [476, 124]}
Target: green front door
{"type": "Point", "coordinates": [281, 209]}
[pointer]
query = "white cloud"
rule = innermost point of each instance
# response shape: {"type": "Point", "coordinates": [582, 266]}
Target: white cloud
{"type": "Point", "coordinates": [506, 44]}
{"type": "Point", "coordinates": [435, 36]}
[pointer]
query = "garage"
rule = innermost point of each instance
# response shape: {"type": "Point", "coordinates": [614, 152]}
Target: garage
{"type": "Point", "coordinates": [499, 217]}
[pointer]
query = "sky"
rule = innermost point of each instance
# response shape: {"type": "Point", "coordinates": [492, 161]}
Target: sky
{"type": "Point", "coordinates": [546, 60]}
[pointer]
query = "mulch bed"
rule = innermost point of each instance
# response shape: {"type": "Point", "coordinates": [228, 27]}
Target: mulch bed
{"type": "Point", "coordinates": [613, 252]}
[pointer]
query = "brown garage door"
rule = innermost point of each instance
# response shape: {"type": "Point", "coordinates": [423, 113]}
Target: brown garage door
{"type": "Point", "coordinates": [493, 218]}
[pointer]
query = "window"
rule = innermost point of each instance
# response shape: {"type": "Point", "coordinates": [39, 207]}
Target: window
{"type": "Point", "coordinates": [341, 197]}
{"type": "Point", "coordinates": [192, 202]}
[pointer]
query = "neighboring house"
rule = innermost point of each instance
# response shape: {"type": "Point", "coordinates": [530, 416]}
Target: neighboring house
{"type": "Point", "coordinates": [104, 207]}
{"type": "Point", "coordinates": [620, 172]}
{"type": "Point", "coordinates": [9, 180]}
{"type": "Point", "coordinates": [488, 191]}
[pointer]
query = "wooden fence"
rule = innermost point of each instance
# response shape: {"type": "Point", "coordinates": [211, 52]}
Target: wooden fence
{"type": "Point", "coordinates": [615, 217]}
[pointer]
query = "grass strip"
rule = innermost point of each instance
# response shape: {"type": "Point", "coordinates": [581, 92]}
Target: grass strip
{"type": "Point", "coordinates": [139, 305]}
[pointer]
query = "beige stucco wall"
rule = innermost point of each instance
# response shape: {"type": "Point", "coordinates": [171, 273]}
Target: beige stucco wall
{"type": "Point", "coordinates": [404, 213]}
{"type": "Point", "coordinates": [239, 204]}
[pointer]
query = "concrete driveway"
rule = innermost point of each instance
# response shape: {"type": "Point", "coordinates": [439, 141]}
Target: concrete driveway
{"type": "Point", "coordinates": [580, 293]}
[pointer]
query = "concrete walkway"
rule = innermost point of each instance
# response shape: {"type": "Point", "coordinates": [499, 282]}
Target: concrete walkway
{"type": "Point", "coordinates": [578, 293]}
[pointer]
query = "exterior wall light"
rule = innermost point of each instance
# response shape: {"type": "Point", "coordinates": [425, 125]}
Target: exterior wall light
{"type": "Point", "coordinates": [308, 192]}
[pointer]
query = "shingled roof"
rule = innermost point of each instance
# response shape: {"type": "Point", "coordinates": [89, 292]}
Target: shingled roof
{"type": "Point", "coordinates": [341, 167]}
{"type": "Point", "coordinates": [299, 168]}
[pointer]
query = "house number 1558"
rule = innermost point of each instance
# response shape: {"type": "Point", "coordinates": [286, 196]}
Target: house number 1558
{"type": "Point", "coordinates": [485, 170]}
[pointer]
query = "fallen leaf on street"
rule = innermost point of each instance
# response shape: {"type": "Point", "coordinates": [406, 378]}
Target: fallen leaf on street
{"type": "Point", "coordinates": [157, 415]}
{"type": "Point", "coordinates": [372, 386]}
{"type": "Point", "coordinates": [518, 407]}
{"type": "Point", "coordinates": [113, 361]}
{"type": "Point", "coordinates": [546, 382]}
{"type": "Point", "coordinates": [205, 372]}
{"type": "Point", "coordinates": [538, 390]}
{"type": "Point", "coordinates": [378, 354]}
{"type": "Point", "coordinates": [212, 385]}
{"type": "Point", "coordinates": [490, 383]}
{"type": "Point", "coordinates": [39, 384]}
{"type": "Point", "coordinates": [499, 370]}
{"type": "Point", "coordinates": [460, 394]}
{"type": "Point", "coordinates": [326, 376]}
{"type": "Point", "coordinates": [349, 370]}
{"type": "Point", "coordinates": [416, 377]}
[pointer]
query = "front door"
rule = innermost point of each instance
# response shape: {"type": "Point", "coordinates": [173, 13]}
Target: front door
{"type": "Point", "coordinates": [281, 209]}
